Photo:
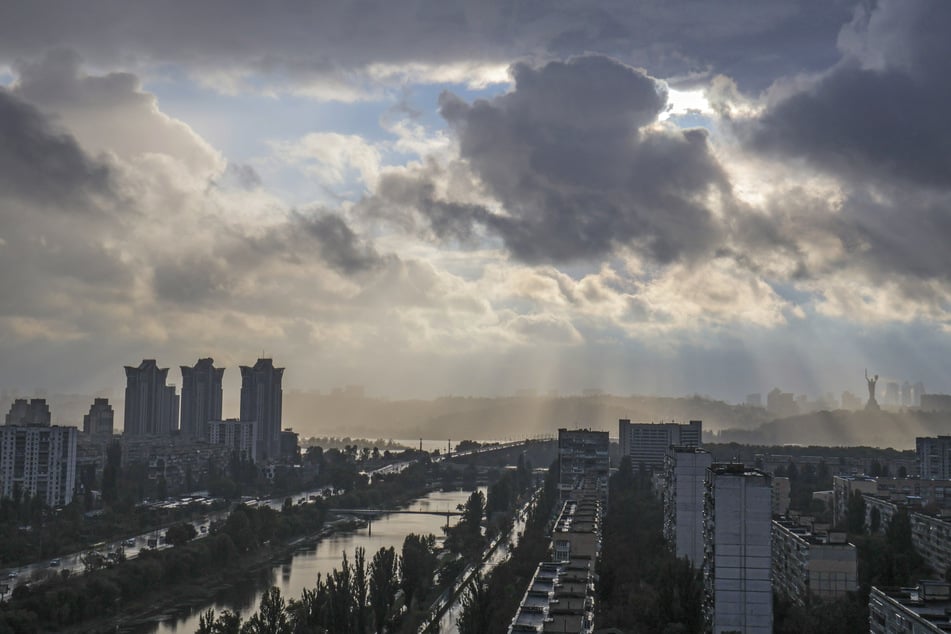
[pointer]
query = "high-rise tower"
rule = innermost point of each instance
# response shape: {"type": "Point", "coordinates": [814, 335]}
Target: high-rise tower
{"type": "Point", "coordinates": [261, 401]}
{"type": "Point", "coordinates": [201, 397]}
{"type": "Point", "coordinates": [151, 407]}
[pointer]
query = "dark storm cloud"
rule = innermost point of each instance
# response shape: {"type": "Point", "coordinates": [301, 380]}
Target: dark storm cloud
{"type": "Point", "coordinates": [753, 42]}
{"type": "Point", "coordinates": [878, 121]}
{"type": "Point", "coordinates": [193, 280]}
{"type": "Point", "coordinates": [340, 247]}
{"type": "Point", "coordinates": [883, 111]}
{"type": "Point", "coordinates": [568, 156]}
{"type": "Point", "coordinates": [42, 165]}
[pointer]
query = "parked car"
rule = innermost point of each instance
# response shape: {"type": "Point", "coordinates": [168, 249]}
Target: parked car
{"type": "Point", "coordinates": [54, 563]}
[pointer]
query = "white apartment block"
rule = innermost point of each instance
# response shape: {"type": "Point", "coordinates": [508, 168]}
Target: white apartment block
{"type": "Point", "coordinates": [737, 564]}
{"type": "Point", "coordinates": [647, 443]}
{"type": "Point", "coordinates": [685, 473]}
{"type": "Point", "coordinates": [239, 435]}
{"type": "Point", "coordinates": [812, 564]}
{"type": "Point", "coordinates": [39, 461]}
{"type": "Point", "coordinates": [924, 609]}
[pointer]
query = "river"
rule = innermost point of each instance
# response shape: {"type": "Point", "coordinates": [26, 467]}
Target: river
{"type": "Point", "coordinates": [306, 563]}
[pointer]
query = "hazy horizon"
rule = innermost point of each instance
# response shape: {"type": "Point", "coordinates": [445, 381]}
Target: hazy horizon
{"type": "Point", "coordinates": [671, 198]}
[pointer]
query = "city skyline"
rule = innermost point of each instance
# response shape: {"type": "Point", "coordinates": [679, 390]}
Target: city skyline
{"type": "Point", "coordinates": [704, 198]}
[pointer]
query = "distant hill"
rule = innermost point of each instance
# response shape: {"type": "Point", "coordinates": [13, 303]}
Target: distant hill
{"type": "Point", "coordinates": [499, 418]}
{"type": "Point", "coordinates": [845, 428]}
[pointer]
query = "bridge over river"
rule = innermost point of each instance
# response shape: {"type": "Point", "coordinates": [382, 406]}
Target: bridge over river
{"type": "Point", "coordinates": [387, 511]}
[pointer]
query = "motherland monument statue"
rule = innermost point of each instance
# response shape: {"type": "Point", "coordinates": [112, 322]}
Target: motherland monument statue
{"type": "Point", "coordinates": [872, 403]}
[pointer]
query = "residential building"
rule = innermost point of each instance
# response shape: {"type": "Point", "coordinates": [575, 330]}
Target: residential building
{"type": "Point", "coordinates": [930, 534]}
{"type": "Point", "coordinates": [40, 461]}
{"type": "Point", "coordinates": [201, 397]}
{"type": "Point", "coordinates": [238, 435]}
{"type": "Point", "coordinates": [918, 390]}
{"type": "Point", "coordinates": [807, 563]}
{"type": "Point", "coordinates": [851, 402]}
{"type": "Point", "coordinates": [261, 401]}
{"type": "Point", "coordinates": [560, 598]}
{"type": "Point", "coordinates": [290, 446]}
{"type": "Point", "coordinates": [934, 457]}
{"type": "Point", "coordinates": [151, 407]}
{"type": "Point", "coordinates": [781, 404]}
{"type": "Point", "coordinates": [842, 488]}
{"type": "Point", "coordinates": [892, 394]}
{"type": "Point", "coordinates": [685, 473]}
{"type": "Point", "coordinates": [180, 462]}
{"type": "Point", "coordinates": [100, 421]}
{"type": "Point", "coordinates": [781, 490]}
{"type": "Point", "coordinates": [33, 412]}
{"type": "Point", "coordinates": [646, 443]}
{"type": "Point", "coordinates": [737, 564]}
{"type": "Point", "coordinates": [583, 463]}
{"type": "Point", "coordinates": [935, 402]}
{"type": "Point", "coordinates": [924, 609]}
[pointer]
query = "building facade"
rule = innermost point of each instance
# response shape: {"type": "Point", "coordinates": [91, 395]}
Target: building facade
{"type": "Point", "coordinates": [584, 463]}
{"type": "Point", "coordinates": [151, 407]}
{"type": "Point", "coordinates": [685, 473]}
{"type": "Point", "coordinates": [737, 564]}
{"type": "Point", "coordinates": [920, 610]}
{"type": "Point", "coordinates": [934, 457]}
{"type": "Point", "coordinates": [33, 412]}
{"type": "Point", "coordinates": [201, 397]}
{"type": "Point", "coordinates": [261, 401]}
{"type": "Point", "coordinates": [100, 421]}
{"type": "Point", "coordinates": [238, 435]}
{"type": "Point", "coordinates": [39, 461]}
{"type": "Point", "coordinates": [807, 563]}
{"type": "Point", "coordinates": [646, 443]}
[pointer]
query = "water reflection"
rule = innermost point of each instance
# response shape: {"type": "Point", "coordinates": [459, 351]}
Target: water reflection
{"type": "Point", "coordinates": [301, 570]}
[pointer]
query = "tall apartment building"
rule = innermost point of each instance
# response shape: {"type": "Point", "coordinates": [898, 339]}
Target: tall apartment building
{"type": "Point", "coordinates": [238, 435]}
{"type": "Point", "coordinates": [583, 463]}
{"type": "Point", "coordinates": [100, 421]}
{"type": "Point", "coordinates": [33, 412]}
{"type": "Point", "coordinates": [737, 564]}
{"type": "Point", "coordinates": [646, 443]}
{"type": "Point", "coordinates": [201, 397]}
{"type": "Point", "coordinates": [807, 563]}
{"type": "Point", "coordinates": [261, 401]}
{"type": "Point", "coordinates": [934, 457]}
{"type": "Point", "coordinates": [38, 460]}
{"type": "Point", "coordinates": [685, 472]}
{"type": "Point", "coordinates": [151, 407]}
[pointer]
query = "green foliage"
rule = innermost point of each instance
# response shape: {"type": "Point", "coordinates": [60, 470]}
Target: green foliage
{"type": "Point", "coordinates": [855, 513]}
{"type": "Point", "coordinates": [642, 585]}
{"type": "Point", "coordinates": [490, 610]}
{"type": "Point", "coordinates": [476, 608]}
{"type": "Point", "coordinates": [383, 585]}
{"type": "Point", "coordinates": [417, 565]}
{"type": "Point", "coordinates": [179, 534]}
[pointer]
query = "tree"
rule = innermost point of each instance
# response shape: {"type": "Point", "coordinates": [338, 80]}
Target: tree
{"type": "Point", "coordinates": [875, 520]}
{"type": "Point", "coordinates": [360, 589]}
{"type": "Point", "coordinates": [476, 616]}
{"type": "Point", "coordinates": [179, 534]}
{"type": "Point", "coordinates": [417, 565]}
{"type": "Point", "coordinates": [856, 513]}
{"type": "Point", "coordinates": [271, 617]}
{"type": "Point", "coordinates": [384, 569]}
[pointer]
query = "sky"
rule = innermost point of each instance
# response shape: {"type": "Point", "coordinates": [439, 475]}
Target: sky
{"type": "Point", "coordinates": [477, 198]}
